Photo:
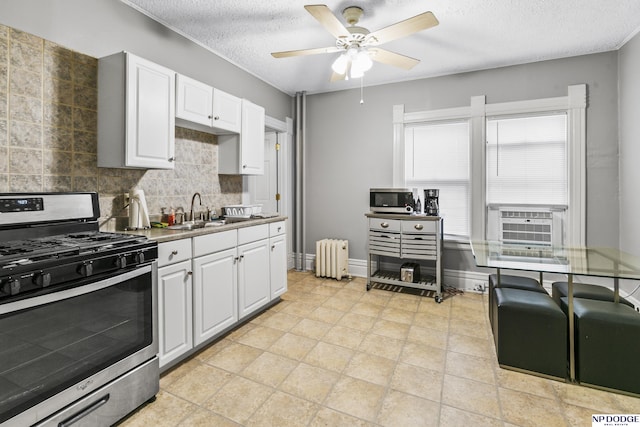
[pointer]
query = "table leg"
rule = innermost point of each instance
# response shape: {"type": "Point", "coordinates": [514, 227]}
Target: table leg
{"type": "Point", "coordinates": [572, 348]}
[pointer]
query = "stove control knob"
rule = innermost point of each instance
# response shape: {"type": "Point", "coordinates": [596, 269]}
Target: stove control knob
{"type": "Point", "coordinates": [140, 257]}
{"type": "Point", "coordinates": [121, 261]}
{"type": "Point", "coordinates": [86, 269]}
{"type": "Point", "coordinates": [11, 286]}
{"type": "Point", "coordinates": [42, 280]}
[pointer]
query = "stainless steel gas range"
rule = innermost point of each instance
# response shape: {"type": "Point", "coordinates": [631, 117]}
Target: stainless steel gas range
{"type": "Point", "coordinates": [78, 333]}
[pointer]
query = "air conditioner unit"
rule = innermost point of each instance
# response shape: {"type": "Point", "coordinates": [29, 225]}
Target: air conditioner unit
{"type": "Point", "coordinates": [526, 225]}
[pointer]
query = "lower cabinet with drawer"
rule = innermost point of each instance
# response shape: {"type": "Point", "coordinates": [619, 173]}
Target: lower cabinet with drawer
{"type": "Point", "coordinates": [401, 239]}
{"type": "Point", "coordinates": [225, 277]}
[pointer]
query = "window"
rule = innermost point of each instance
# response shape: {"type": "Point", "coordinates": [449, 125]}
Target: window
{"type": "Point", "coordinates": [526, 160]}
{"type": "Point", "coordinates": [523, 152]}
{"type": "Point", "coordinates": [437, 157]}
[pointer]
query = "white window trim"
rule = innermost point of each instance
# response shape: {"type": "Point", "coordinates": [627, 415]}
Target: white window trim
{"type": "Point", "coordinates": [575, 104]}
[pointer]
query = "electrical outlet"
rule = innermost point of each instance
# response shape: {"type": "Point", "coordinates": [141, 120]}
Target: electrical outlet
{"type": "Point", "coordinates": [478, 287]}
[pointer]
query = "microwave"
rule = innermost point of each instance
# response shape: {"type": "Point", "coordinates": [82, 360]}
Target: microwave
{"type": "Point", "coordinates": [391, 200]}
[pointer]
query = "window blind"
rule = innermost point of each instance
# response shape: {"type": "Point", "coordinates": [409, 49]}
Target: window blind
{"type": "Point", "coordinates": [526, 160]}
{"type": "Point", "coordinates": [437, 156]}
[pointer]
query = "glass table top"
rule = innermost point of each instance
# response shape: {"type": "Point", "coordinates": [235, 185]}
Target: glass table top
{"type": "Point", "coordinates": [587, 261]}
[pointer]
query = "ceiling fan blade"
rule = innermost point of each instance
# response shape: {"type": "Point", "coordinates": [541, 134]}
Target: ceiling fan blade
{"type": "Point", "coordinates": [336, 77]}
{"type": "Point", "coordinates": [403, 28]}
{"type": "Point", "coordinates": [328, 20]}
{"type": "Point", "coordinates": [391, 58]}
{"type": "Point", "coordinates": [303, 52]}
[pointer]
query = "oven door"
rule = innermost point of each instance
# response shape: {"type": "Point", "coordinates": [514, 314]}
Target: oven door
{"type": "Point", "coordinates": [56, 348]}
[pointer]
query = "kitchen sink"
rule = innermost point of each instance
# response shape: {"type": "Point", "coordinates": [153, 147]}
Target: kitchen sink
{"type": "Point", "coordinates": [189, 225]}
{"type": "Point", "coordinates": [193, 225]}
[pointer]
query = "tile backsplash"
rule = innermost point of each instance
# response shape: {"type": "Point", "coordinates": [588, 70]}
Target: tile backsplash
{"type": "Point", "coordinates": [48, 136]}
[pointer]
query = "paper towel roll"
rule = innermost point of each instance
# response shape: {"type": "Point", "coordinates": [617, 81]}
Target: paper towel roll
{"type": "Point", "coordinates": [138, 211]}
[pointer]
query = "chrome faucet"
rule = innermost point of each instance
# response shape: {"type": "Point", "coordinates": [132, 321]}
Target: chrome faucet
{"type": "Point", "coordinates": [193, 199]}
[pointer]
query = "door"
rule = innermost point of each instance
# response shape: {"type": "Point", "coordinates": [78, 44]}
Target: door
{"type": "Point", "coordinates": [253, 279]}
{"type": "Point", "coordinates": [175, 329]}
{"type": "Point", "coordinates": [264, 188]}
{"type": "Point", "coordinates": [227, 111]}
{"type": "Point", "coordinates": [215, 302]}
{"type": "Point", "coordinates": [194, 100]}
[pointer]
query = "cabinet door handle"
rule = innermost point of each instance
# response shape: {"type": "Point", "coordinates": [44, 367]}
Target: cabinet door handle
{"type": "Point", "coordinates": [189, 273]}
{"type": "Point", "coordinates": [244, 166]}
{"type": "Point", "coordinates": [418, 226]}
{"type": "Point", "coordinates": [384, 224]}
{"type": "Point", "coordinates": [216, 118]}
{"type": "Point", "coordinates": [279, 228]}
{"type": "Point", "coordinates": [273, 247]}
{"type": "Point", "coordinates": [174, 252]}
{"type": "Point", "coordinates": [172, 159]}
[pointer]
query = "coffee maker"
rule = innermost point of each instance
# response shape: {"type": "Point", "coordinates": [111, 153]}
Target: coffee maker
{"type": "Point", "coordinates": [431, 202]}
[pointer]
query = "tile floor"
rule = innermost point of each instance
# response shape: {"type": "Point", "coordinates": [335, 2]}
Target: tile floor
{"type": "Point", "coordinates": [332, 354]}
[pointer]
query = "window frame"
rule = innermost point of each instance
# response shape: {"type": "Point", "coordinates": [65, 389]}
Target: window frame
{"type": "Point", "coordinates": [574, 104]}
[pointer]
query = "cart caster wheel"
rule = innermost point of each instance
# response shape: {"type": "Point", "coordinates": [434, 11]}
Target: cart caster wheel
{"type": "Point", "coordinates": [438, 299]}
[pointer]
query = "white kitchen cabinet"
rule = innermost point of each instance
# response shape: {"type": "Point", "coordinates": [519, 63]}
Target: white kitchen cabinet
{"type": "Point", "coordinates": [175, 328]}
{"type": "Point", "coordinates": [136, 113]}
{"type": "Point", "coordinates": [253, 279]}
{"type": "Point", "coordinates": [202, 107]}
{"type": "Point", "coordinates": [243, 154]}
{"type": "Point", "coordinates": [215, 281]}
{"type": "Point", "coordinates": [277, 259]}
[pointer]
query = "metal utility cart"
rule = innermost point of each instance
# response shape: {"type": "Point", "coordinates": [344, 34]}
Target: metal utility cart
{"type": "Point", "coordinates": [405, 237]}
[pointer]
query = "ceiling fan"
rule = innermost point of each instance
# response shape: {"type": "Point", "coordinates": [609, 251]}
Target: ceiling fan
{"type": "Point", "coordinates": [358, 45]}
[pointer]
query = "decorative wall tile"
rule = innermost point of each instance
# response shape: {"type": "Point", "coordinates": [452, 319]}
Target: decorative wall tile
{"type": "Point", "coordinates": [85, 70]}
{"type": "Point", "coordinates": [4, 110]}
{"type": "Point", "coordinates": [86, 142]}
{"type": "Point", "coordinates": [57, 66]}
{"type": "Point", "coordinates": [85, 97]}
{"type": "Point", "coordinates": [20, 37]}
{"type": "Point", "coordinates": [52, 48]}
{"type": "Point", "coordinates": [85, 183]}
{"type": "Point", "coordinates": [58, 91]}
{"type": "Point", "coordinates": [57, 138]}
{"type": "Point", "coordinates": [25, 161]}
{"type": "Point", "coordinates": [4, 183]}
{"type": "Point", "coordinates": [25, 109]}
{"type": "Point", "coordinates": [58, 115]}
{"type": "Point", "coordinates": [57, 162]}
{"type": "Point", "coordinates": [57, 183]}
{"type": "Point", "coordinates": [23, 82]}
{"type": "Point", "coordinates": [85, 119]}
{"type": "Point", "coordinates": [4, 160]}
{"type": "Point", "coordinates": [26, 135]}
{"type": "Point", "coordinates": [24, 55]}
{"type": "Point", "coordinates": [84, 164]}
{"type": "Point", "coordinates": [3, 133]}
{"type": "Point", "coordinates": [25, 183]}
{"type": "Point", "coordinates": [4, 32]}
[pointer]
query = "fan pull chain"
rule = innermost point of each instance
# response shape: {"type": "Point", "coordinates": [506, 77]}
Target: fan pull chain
{"type": "Point", "coordinates": [361, 90]}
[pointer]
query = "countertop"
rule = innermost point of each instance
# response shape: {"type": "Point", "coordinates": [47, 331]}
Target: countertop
{"type": "Point", "coordinates": [165, 235]}
{"type": "Point", "coordinates": [414, 217]}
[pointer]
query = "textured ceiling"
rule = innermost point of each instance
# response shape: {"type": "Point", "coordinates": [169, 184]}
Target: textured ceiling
{"type": "Point", "coordinates": [472, 35]}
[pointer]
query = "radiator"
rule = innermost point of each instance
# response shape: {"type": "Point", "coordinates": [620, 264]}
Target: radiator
{"type": "Point", "coordinates": [332, 258]}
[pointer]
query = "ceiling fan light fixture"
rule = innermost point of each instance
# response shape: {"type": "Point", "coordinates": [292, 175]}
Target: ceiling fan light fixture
{"type": "Point", "coordinates": [339, 66]}
{"type": "Point", "coordinates": [362, 60]}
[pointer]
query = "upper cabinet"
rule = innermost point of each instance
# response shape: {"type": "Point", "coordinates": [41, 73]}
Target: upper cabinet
{"type": "Point", "coordinates": [202, 107]}
{"type": "Point", "coordinates": [136, 113]}
{"type": "Point", "coordinates": [244, 154]}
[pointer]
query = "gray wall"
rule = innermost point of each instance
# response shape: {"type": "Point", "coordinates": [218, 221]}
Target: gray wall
{"type": "Point", "coordinates": [101, 27]}
{"type": "Point", "coordinates": [349, 146]}
{"type": "Point", "coordinates": [630, 145]}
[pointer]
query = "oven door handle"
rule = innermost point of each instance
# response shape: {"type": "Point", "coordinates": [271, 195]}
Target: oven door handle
{"type": "Point", "coordinates": [74, 292]}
